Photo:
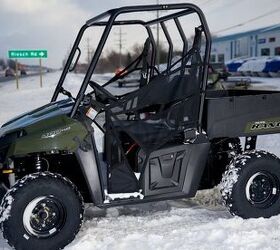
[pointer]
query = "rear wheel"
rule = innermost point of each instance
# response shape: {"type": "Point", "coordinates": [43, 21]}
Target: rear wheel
{"type": "Point", "coordinates": [251, 185]}
{"type": "Point", "coordinates": [42, 211]}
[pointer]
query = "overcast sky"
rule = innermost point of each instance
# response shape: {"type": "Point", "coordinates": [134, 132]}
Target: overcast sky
{"type": "Point", "coordinates": [53, 24]}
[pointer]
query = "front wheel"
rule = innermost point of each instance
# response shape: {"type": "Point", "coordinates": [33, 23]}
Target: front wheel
{"type": "Point", "coordinates": [250, 187]}
{"type": "Point", "coordinates": [42, 211]}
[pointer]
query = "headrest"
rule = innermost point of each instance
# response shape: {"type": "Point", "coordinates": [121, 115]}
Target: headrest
{"type": "Point", "coordinates": [197, 38]}
{"type": "Point", "coordinates": [146, 47]}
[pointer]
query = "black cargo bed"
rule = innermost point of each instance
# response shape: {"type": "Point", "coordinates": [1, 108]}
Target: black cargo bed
{"type": "Point", "coordinates": [235, 113]}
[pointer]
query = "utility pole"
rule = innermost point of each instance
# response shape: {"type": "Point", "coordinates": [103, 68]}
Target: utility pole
{"type": "Point", "coordinates": [120, 42]}
{"type": "Point", "coordinates": [88, 51]}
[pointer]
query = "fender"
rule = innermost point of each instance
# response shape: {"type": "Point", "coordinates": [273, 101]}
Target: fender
{"type": "Point", "coordinates": [59, 133]}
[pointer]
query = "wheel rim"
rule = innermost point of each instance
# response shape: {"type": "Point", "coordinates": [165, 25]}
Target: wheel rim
{"type": "Point", "coordinates": [262, 189]}
{"type": "Point", "coordinates": [44, 216]}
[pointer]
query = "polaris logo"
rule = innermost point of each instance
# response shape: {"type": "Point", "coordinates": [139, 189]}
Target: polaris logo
{"type": "Point", "coordinates": [265, 125]}
{"type": "Point", "coordinates": [54, 133]}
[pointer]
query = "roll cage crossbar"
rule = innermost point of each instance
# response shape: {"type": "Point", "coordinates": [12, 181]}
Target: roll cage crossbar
{"type": "Point", "coordinates": [183, 9]}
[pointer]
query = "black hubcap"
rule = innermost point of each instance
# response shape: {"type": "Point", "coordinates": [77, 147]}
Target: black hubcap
{"type": "Point", "coordinates": [262, 189]}
{"type": "Point", "coordinates": [45, 217]}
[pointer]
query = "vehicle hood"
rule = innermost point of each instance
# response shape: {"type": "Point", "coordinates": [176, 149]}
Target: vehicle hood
{"type": "Point", "coordinates": [34, 116]}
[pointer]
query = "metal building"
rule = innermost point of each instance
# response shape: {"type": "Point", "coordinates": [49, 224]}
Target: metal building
{"type": "Point", "coordinates": [259, 42]}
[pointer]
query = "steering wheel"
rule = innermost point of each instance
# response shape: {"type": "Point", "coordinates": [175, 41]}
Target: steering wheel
{"type": "Point", "coordinates": [101, 93]}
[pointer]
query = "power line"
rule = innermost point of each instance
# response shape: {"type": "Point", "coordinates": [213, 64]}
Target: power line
{"type": "Point", "coordinates": [248, 21]}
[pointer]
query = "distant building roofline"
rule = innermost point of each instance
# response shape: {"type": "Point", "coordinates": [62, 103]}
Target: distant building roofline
{"type": "Point", "coordinates": [235, 36]}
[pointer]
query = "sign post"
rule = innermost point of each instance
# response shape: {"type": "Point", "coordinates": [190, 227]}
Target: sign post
{"type": "Point", "coordinates": [41, 82]}
{"type": "Point", "coordinates": [28, 54]}
{"type": "Point", "coordinates": [17, 75]}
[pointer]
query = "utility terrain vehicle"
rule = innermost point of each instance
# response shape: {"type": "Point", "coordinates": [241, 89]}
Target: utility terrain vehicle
{"type": "Point", "coordinates": [163, 140]}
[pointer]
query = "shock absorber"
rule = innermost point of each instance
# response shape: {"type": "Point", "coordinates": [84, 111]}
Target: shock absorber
{"type": "Point", "coordinates": [38, 163]}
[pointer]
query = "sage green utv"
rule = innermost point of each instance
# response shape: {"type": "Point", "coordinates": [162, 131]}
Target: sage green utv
{"type": "Point", "coordinates": [165, 138]}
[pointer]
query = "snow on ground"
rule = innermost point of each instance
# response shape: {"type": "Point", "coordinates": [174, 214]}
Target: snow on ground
{"type": "Point", "coordinates": [199, 223]}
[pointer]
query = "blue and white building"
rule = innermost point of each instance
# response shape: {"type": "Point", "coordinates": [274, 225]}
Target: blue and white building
{"type": "Point", "coordinates": [254, 43]}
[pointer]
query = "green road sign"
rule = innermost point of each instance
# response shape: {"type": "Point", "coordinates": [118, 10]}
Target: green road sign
{"type": "Point", "coordinates": [28, 53]}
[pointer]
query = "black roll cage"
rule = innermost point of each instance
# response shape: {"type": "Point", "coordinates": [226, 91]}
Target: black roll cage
{"type": "Point", "coordinates": [186, 9]}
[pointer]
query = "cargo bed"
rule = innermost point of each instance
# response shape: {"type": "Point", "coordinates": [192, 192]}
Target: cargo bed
{"type": "Point", "coordinates": [236, 113]}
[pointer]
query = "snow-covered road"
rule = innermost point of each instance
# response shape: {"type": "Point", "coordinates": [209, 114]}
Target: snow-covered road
{"type": "Point", "coordinates": [199, 223]}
